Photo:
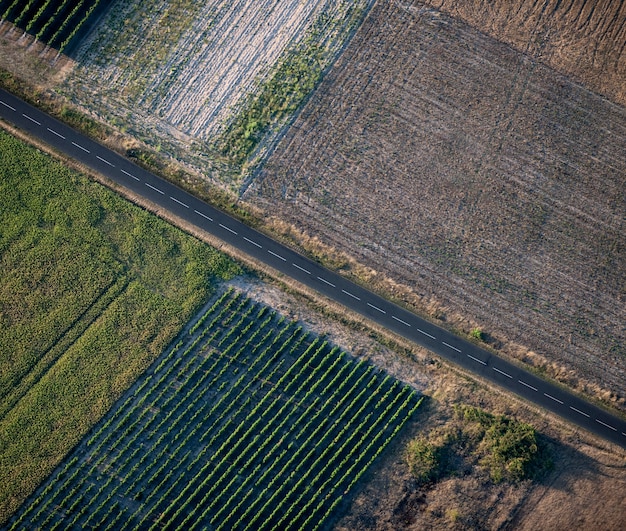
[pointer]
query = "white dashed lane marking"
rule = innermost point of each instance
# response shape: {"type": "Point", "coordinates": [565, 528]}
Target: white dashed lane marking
{"type": "Point", "coordinates": [130, 175]}
{"type": "Point", "coordinates": [326, 282]}
{"type": "Point", "coordinates": [605, 424]}
{"type": "Point", "coordinates": [376, 308]}
{"type": "Point", "coordinates": [228, 228]}
{"type": "Point", "coordinates": [502, 372]}
{"type": "Point", "coordinates": [476, 359]}
{"type": "Point", "coordinates": [276, 255]}
{"type": "Point", "coordinates": [400, 320]}
{"type": "Point", "coordinates": [154, 188]}
{"type": "Point", "coordinates": [55, 133]}
{"type": "Point", "coordinates": [351, 295]}
{"type": "Point", "coordinates": [425, 333]}
{"type": "Point", "coordinates": [81, 147]}
{"type": "Point", "coordinates": [105, 161]}
{"type": "Point", "coordinates": [203, 215]}
{"type": "Point", "coordinates": [527, 385]}
{"type": "Point", "coordinates": [179, 202]}
{"type": "Point", "coordinates": [253, 242]}
{"type": "Point", "coordinates": [301, 268]}
{"type": "Point", "coordinates": [450, 346]}
{"type": "Point", "coordinates": [579, 411]}
{"type": "Point", "coordinates": [552, 398]}
{"type": "Point", "coordinates": [31, 119]}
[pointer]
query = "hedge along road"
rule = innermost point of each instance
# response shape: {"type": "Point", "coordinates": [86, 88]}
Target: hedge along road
{"type": "Point", "coordinates": [354, 297]}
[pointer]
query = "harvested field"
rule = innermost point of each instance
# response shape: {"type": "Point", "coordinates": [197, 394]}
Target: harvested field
{"type": "Point", "coordinates": [476, 176]}
{"type": "Point", "coordinates": [175, 73]}
{"type": "Point", "coordinates": [585, 39]}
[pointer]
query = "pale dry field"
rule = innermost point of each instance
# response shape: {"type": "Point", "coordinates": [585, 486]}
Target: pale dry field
{"type": "Point", "coordinates": [174, 73]}
{"type": "Point", "coordinates": [485, 182]}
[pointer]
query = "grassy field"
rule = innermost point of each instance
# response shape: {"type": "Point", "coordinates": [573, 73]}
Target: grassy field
{"type": "Point", "coordinates": [488, 185]}
{"type": "Point", "coordinates": [247, 422]}
{"type": "Point", "coordinates": [92, 290]}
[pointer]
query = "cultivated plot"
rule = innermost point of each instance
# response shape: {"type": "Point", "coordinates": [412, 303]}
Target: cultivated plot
{"type": "Point", "coordinates": [475, 175]}
{"type": "Point", "coordinates": [54, 22]}
{"type": "Point", "coordinates": [175, 73]}
{"type": "Point", "coordinates": [92, 290]}
{"type": "Point", "coordinates": [247, 422]}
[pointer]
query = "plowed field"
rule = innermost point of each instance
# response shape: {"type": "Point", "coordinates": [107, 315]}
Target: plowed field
{"type": "Point", "coordinates": [475, 175]}
{"type": "Point", "coordinates": [582, 38]}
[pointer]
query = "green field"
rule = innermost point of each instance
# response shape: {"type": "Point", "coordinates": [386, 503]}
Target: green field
{"type": "Point", "coordinates": [247, 422]}
{"type": "Point", "coordinates": [93, 289]}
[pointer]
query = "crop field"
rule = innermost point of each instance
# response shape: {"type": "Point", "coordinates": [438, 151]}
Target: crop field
{"type": "Point", "coordinates": [93, 289]}
{"type": "Point", "coordinates": [54, 22]}
{"type": "Point", "coordinates": [491, 185]}
{"type": "Point", "coordinates": [176, 73]}
{"type": "Point", "coordinates": [247, 422]}
{"type": "Point", "coordinates": [582, 38]}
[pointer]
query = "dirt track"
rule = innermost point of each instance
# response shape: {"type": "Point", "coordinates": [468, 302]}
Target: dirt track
{"type": "Point", "coordinates": [481, 178]}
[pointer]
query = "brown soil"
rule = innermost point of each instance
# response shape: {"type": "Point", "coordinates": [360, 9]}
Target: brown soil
{"type": "Point", "coordinates": [487, 184]}
{"type": "Point", "coordinates": [585, 39]}
{"type": "Point", "coordinates": [29, 59]}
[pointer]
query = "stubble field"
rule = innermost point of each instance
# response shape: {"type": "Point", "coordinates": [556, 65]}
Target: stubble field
{"type": "Point", "coordinates": [585, 39]}
{"type": "Point", "coordinates": [476, 176]}
{"type": "Point", "coordinates": [175, 74]}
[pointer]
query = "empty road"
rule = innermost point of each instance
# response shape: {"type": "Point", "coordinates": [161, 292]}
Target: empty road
{"type": "Point", "coordinates": [395, 318]}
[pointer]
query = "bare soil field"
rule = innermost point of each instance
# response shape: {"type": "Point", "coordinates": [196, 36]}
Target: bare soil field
{"type": "Point", "coordinates": [585, 39]}
{"type": "Point", "coordinates": [481, 181]}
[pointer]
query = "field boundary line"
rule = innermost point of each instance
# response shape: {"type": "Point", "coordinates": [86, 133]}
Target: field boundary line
{"type": "Point", "coordinates": [64, 342]}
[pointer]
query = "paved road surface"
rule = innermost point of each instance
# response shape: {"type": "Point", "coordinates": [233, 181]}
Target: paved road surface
{"type": "Point", "coordinates": [459, 351]}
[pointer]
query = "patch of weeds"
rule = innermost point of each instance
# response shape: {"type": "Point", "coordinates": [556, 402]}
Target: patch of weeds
{"type": "Point", "coordinates": [477, 334]}
{"type": "Point", "coordinates": [509, 450]}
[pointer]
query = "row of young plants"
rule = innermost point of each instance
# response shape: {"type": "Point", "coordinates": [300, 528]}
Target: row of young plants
{"type": "Point", "coordinates": [247, 422]}
{"type": "Point", "coordinates": [54, 22]}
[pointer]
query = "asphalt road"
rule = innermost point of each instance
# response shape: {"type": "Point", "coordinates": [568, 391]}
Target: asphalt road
{"type": "Point", "coordinates": [352, 296]}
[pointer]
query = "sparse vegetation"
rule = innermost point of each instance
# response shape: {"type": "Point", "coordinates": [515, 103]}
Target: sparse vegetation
{"type": "Point", "coordinates": [477, 334]}
{"type": "Point", "coordinates": [288, 85]}
{"type": "Point", "coordinates": [201, 80]}
{"type": "Point", "coordinates": [507, 449]}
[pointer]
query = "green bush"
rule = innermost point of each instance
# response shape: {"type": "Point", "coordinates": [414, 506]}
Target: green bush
{"type": "Point", "coordinates": [507, 448]}
{"type": "Point", "coordinates": [477, 333]}
{"type": "Point", "coordinates": [424, 460]}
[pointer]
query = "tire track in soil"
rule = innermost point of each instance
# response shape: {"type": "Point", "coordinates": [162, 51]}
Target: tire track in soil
{"type": "Point", "coordinates": [550, 163]}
